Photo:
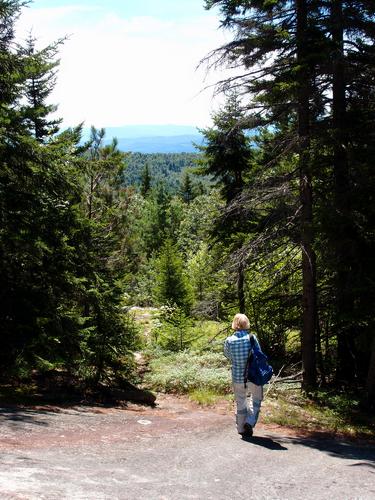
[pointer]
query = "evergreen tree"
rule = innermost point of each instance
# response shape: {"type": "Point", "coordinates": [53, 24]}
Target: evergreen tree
{"type": "Point", "coordinates": [227, 158]}
{"type": "Point", "coordinates": [41, 71]}
{"type": "Point", "coordinates": [103, 175]}
{"type": "Point", "coordinates": [208, 283]}
{"type": "Point", "coordinates": [60, 304]}
{"type": "Point", "coordinates": [277, 50]}
{"type": "Point", "coordinates": [39, 221]}
{"type": "Point", "coordinates": [11, 63]}
{"type": "Point", "coordinates": [154, 223]}
{"type": "Point", "coordinates": [172, 334]}
{"type": "Point", "coordinates": [186, 188]}
{"type": "Point", "coordinates": [145, 180]}
{"type": "Point", "coordinates": [304, 71]}
{"type": "Point", "coordinates": [108, 337]}
{"type": "Point", "coordinates": [227, 152]}
{"type": "Point", "coordinates": [304, 64]}
{"type": "Point", "coordinates": [351, 33]}
{"type": "Point", "coordinates": [171, 286]}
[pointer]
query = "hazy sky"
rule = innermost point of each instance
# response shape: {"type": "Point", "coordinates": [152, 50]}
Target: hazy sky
{"type": "Point", "coordinates": [129, 61]}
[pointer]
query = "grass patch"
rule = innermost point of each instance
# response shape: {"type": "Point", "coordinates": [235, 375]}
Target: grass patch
{"type": "Point", "coordinates": [205, 397]}
{"type": "Point", "coordinates": [185, 372]}
{"type": "Point", "coordinates": [325, 411]}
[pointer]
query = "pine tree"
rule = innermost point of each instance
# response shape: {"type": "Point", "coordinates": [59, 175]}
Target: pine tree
{"type": "Point", "coordinates": [108, 338]}
{"type": "Point", "coordinates": [227, 152]}
{"type": "Point", "coordinates": [145, 181]}
{"type": "Point", "coordinates": [60, 303]}
{"type": "Point", "coordinates": [352, 33]}
{"type": "Point", "coordinates": [41, 70]}
{"type": "Point", "coordinates": [171, 286]}
{"type": "Point", "coordinates": [38, 199]}
{"type": "Point", "coordinates": [275, 43]}
{"type": "Point", "coordinates": [186, 188]}
{"type": "Point", "coordinates": [305, 64]}
{"type": "Point", "coordinates": [154, 221]}
{"type": "Point", "coordinates": [227, 156]}
{"type": "Point", "coordinates": [304, 96]}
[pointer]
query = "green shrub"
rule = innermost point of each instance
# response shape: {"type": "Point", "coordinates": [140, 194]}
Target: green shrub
{"type": "Point", "coordinates": [204, 396]}
{"type": "Point", "coordinates": [185, 372]}
{"type": "Point", "coordinates": [324, 411]}
{"type": "Point", "coordinates": [171, 331]}
{"type": "Point", "coordinates": [209, 335]}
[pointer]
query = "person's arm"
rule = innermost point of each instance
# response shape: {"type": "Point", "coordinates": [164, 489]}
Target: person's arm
{"type": "Point", "coordinates": [227, 352]}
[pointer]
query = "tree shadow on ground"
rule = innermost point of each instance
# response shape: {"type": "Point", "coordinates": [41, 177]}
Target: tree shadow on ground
{"type": "Point", "coordinates": [18, 415]}
{"type": "Point", "coordinates": [51, 390]}
{"type": "Point", "coordinates": [33, 407]}
{"type": "Point", "coordinates": [338, 448]}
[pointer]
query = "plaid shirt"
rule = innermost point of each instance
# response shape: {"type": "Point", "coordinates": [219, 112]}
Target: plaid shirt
{"type": "Point", "coordinates": [236, 349]}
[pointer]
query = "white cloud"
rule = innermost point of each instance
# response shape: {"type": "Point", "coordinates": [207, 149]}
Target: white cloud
{"type": "Point", "coordinates": [117, 71]}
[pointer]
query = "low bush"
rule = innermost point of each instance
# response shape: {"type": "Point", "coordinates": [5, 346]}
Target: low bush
{"type": "Point", "coordinates": [204, 397]}
{"type": "Point", "coordinates": [184, 372]}
{"type": "Point", "coordinates": [325, 411]}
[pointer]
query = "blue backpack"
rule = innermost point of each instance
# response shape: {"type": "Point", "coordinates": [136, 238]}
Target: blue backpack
{"type": "Point", "coordinates": [257, 369]}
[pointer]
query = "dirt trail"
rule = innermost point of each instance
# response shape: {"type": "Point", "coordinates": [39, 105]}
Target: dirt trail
{"type": "Point", "coordinates": [174, 451]}
{"type": "Point", "coordinates": [45, 426]}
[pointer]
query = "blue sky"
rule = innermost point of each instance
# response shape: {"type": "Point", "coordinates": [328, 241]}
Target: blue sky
{"type": "Point", "coordinates": [163, 9]}
{"type": "Point", "coordinates": [129, 62]}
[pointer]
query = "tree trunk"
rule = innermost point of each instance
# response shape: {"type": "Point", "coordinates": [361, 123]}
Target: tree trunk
{"type": "Point", "coordinates": [342, 234]}
{"type": "Point", "coordinates": [255, 316]}
{"type": "Point", "coordinates": [320, 361]}
{"type": "Point", "coordinates": [308, 256]}
{"type": "Point", "coordinates": [241, 289]}
{"type": "Point", "coordinates": [371, 378]}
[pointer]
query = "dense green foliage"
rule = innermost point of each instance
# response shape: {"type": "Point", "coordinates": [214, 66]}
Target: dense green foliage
{"type": "Point", "coordinates": [273, 215]}
{"type": "Point", "coordinates": [61, 229]}
{"type": "Point", "coordinates": [303, 66]}
{"type": "Point", "coordinates": [162, 167]}
{"type": "Point", "coordinates": [171, 283]}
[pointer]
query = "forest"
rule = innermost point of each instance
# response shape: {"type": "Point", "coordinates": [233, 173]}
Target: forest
{"type": "Point", "coordinates": [162, 168]}
{"type": "Point", "coordinates": [273, 216]}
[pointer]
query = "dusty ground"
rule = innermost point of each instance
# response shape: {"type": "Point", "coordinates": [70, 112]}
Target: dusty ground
{"type": "Point", "coordinates": [174, 451]}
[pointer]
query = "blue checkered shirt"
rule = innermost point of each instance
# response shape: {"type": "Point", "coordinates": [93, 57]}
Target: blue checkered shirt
{"type": "Point", "coordinates": [236, 349]}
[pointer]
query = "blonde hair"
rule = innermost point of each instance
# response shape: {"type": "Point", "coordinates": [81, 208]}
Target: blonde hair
{"type": "Point", "coordinates": [240, 322]}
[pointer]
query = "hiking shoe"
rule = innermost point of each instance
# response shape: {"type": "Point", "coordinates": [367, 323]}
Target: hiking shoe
{"type": "Point", "coordinates": [248, 430]}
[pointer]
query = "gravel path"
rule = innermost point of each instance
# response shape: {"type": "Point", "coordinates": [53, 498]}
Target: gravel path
{"type": "Point", "coordinates": [175, 451]}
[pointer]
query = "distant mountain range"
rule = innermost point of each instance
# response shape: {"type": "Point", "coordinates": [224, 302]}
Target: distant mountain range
{"type": "Point", "coordinates": [161, 144]}
{"type": "Point", "coordinates": [154, 138]}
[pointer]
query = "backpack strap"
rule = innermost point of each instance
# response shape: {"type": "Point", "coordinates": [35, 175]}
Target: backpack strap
{"type": "Point", "coordinates": [249, 358]}
{"type": "Point", "coordinates": [252, 341]}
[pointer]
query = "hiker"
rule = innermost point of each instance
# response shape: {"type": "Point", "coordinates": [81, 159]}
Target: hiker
{"type": "Point", "coordinates": [249, 398]}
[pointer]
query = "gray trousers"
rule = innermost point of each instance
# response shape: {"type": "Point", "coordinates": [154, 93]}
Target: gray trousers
{"type": "Point", "coordinates": [248, 403]}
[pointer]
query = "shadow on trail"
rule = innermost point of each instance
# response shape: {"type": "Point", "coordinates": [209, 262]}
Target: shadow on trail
{"type": "Point", "coordinates": [16, 415]}
{"type": "Point", "coordinates": [364, 464]}
{"type": "Point", "coordinates": [265, 442]}
{"type": "Point", "coordinates": [364, 453]}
